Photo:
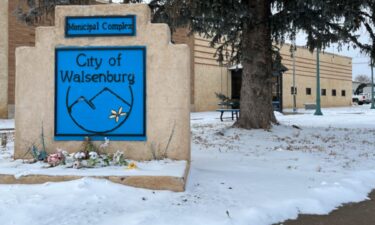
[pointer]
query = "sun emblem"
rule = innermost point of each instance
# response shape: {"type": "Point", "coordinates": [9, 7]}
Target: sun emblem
{"type": "Point", "coordinates": [116, 115]}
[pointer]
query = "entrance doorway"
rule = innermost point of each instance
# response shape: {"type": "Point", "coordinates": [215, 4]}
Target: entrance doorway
{"type": "Point", "coordinates": [236, 83]}
{"type": "Point", "coordinates": [277, 88]}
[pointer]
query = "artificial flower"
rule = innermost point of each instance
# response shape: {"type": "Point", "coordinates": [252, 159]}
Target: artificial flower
{"type": "Point", "coordinates": [79, 155]}
{"type": "Point", "coordinates": [93, 155]}
{"type": "Point", "coordinates": [132, 166]}
{"type": "Point", "coordinates": [77, 164]}
{"type": "Point", "coordinates": [56, 159]}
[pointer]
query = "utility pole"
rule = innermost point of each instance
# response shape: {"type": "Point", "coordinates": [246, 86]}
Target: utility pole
{"type": "Point", "coordinates": [294, 78]}
{"type": "Point", "coordinates": [372, 84]}
{"type": "Point", "coordinates": [318, 111]}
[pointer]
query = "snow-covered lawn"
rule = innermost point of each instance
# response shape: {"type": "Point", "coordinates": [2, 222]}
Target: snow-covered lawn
{"type": "Point", "coordinates": [237, 177]}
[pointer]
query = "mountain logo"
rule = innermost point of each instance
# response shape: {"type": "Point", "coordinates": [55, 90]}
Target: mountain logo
{"type": "Point", "coordinates": [103, 113]}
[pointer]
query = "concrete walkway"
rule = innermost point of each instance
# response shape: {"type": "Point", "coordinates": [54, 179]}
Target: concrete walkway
{"type": "Point", "coordinates": [362, 213]}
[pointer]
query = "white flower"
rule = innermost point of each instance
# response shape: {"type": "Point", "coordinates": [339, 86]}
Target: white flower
{"type": "Point", "coordinates": [117, 156]}
{"type": "Point", "coordinates": [93, 155]}
{"type": "Point", "coordinates": [65, 153]}
{"type": "Point", "coordinates": [105, 144]}
{"type": "Point", "coordinates": [79, 155]}
{"type": "Point", "coordinates": [77, 165]}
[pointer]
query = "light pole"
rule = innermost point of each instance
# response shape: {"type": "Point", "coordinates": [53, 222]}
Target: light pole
{"type": "Point", "coordinates": [294, 78]}
{"type": "Point", "coordinates": [372, 84]}
{"type": "Point", "coordinates": [318, 111]}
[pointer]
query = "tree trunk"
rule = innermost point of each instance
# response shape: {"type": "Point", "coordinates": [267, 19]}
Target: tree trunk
{"type": "Point", "coordinates": [256, 90]}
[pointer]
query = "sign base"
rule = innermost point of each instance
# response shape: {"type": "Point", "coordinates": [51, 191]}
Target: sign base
{"type": "Point", "coordinates": [151, 181]}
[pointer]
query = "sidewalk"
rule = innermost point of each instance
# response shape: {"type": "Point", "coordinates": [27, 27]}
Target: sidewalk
{"type": "Point", "coordinates": [362, 213]}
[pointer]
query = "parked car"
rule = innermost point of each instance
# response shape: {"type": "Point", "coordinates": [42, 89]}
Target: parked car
{"type": "Point", "coordinates": [361, 99]}
{"type": "Point", "coordinates": [362, 95]}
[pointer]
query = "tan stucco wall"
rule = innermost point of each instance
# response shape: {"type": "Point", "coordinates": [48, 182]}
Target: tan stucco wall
{"type": "Point", "coordinates": [208, 80]}
{"type": "Point", "coordinates": [168, 85]}
{"type": "Point", "coordinates": [182, 36]}
{"type": "Point", "coordinates": [310, 82]}
{"type": "Point", "coordinates": [335, 70]}
{"type": "Point", "coordinates": [209, 76]}
{"type": "Point", "coordinates": [3, 58]}
{"type": "Point", "coordinates": [335, 73]}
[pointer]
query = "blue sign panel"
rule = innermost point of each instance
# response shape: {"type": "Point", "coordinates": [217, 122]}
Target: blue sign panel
{"type": "Point", "coordinates": [84, 26]}
{"type": "Point", "coordinates": [100, 92]}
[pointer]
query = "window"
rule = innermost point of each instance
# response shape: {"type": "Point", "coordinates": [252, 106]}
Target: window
{"type": "Point", "coordinates": [333, 92]}
{"type": "Point", "coordinates": [343, 93]}
{"type": "Point", "coordinates": [324, 92]}
{"type": "Point", "coordinates": [293, 90]}
{"type": "Point", "coordinates": [308, 91]}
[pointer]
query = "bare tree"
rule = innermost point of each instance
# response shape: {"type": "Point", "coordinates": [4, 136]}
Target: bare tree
{"type": "Point", "coordinates": [362, 78]}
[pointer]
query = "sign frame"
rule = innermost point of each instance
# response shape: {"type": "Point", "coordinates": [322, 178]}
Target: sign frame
{"type": "Point", "coordinates": [132, 17]}
{"type": "Point", "coordinates": [100, 136]}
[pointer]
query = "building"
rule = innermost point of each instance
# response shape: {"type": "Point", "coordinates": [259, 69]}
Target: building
{"type": "Point", "coordinates": [3, 58]}
{"type": "Point", "coordinates": [207, 75]}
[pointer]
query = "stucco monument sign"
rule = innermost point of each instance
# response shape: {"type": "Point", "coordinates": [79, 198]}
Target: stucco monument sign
{"type": "Point", "coordinates": [106, 72]}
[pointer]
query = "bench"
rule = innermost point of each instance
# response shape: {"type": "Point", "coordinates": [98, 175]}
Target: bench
{"type": "Point", "coordinates": [310, 106]}
{"type": "Point", "coordinates": [234, 112]}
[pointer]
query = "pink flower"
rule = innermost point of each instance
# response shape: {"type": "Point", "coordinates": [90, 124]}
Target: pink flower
{"type": "Point", "coordinates": [55, 159]}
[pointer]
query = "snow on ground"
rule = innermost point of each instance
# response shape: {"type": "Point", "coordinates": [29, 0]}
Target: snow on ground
{"type": "Point", "coordinates": [237, 176]}
{"type": "Point", "coordinates": [152, 168]}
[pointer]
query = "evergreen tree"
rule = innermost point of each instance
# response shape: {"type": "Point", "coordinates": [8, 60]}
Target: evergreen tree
{"type": "Point", "coordinates": [244, 31]}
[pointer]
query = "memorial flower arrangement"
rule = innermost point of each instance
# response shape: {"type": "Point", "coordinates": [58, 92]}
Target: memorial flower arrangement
{"type": "Point", "coordinates": [89, 156]}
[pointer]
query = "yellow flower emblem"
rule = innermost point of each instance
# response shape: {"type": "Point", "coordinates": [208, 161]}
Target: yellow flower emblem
{"type": "Point", "coordinates": [116, 115]}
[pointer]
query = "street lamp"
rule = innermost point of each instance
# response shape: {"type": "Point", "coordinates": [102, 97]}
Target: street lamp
{"type": "Point", "coordinates": [294, 79]}
{"type": "Point", "coordinates": [372, 84]}
{"type": "Point", "coordinates": [318, 111]}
